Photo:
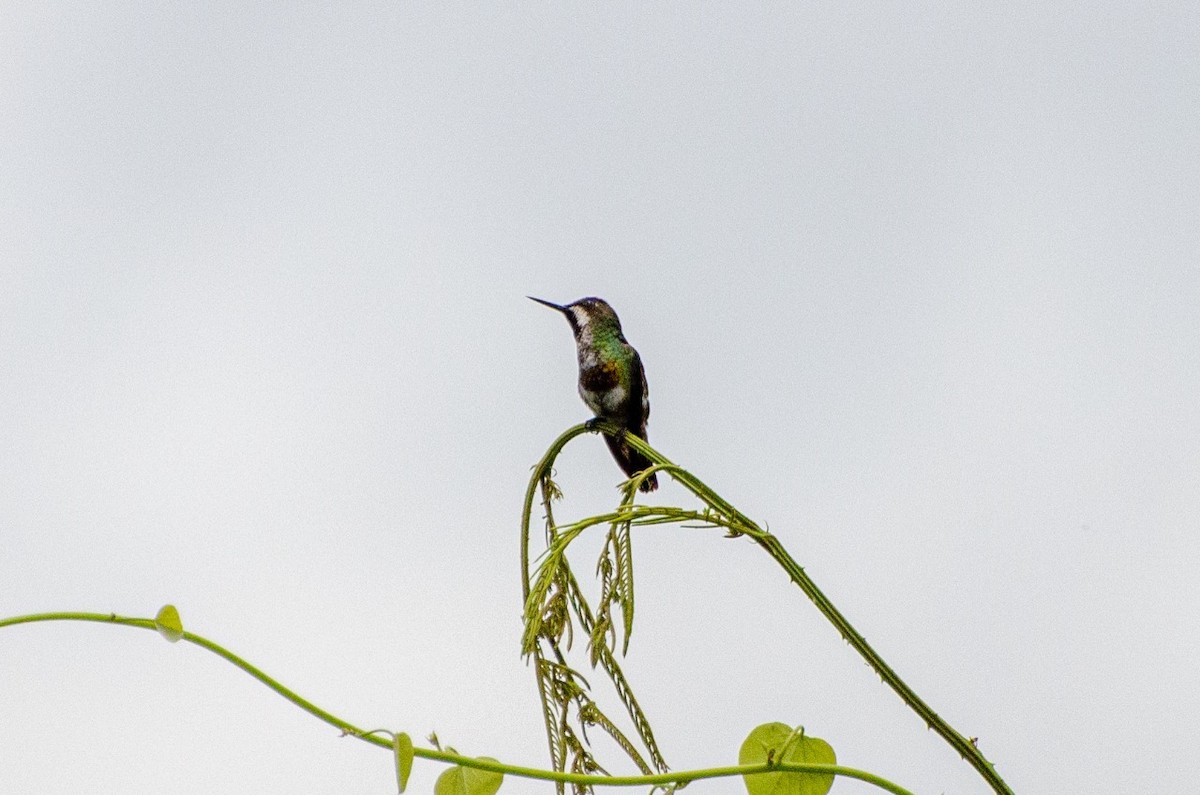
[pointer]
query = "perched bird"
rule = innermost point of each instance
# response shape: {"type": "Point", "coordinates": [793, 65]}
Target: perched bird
{"type": "Point", "coordinates": [611, 380]}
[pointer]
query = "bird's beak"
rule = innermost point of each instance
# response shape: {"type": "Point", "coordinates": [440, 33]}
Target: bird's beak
{"type": "Point", "coordinates": [562, 309]}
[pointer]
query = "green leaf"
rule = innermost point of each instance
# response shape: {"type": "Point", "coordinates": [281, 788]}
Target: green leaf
{"type": "Point", "coordinates": [168, 624]}
{"type": "Point", "coordinates": [623, 549]}
{"type": "Point", "coordinates": [468, 781]}
{"type": "Point", "coordinates": [403, 748]}
{"type": "Point", "coordinates": [779, 743]}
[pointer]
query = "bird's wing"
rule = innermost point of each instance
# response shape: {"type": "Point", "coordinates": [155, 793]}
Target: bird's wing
{"type": "Point", "coordinates": [638, 386]}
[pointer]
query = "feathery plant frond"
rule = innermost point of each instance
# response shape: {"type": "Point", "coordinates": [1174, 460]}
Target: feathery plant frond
{"type": "Point", "coordinates": [554, 601]}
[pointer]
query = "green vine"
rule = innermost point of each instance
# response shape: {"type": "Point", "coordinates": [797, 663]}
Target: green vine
{"type": "Point", "coordinates": [387, 740]}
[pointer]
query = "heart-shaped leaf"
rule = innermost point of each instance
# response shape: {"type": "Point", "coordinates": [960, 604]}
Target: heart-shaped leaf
{"type": "Point", "coordinates": [168, 623]}
{"type": "Point", "coordinates": [403, 748]}
{"type": "Point", "coordinates": [468, 781]}
{"type": "Point", "coordinates": [778, 743]}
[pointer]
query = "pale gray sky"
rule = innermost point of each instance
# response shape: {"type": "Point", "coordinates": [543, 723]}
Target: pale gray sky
{"type": "Point", "coordinates": [914, 284]}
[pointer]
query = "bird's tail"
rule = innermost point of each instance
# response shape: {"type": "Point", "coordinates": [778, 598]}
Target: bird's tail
{"type": "Point", "coordinates": [631, 461]}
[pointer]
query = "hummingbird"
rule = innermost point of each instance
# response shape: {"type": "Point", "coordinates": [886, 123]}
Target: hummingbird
{"type": "Point", "coordinates": [611, 380]}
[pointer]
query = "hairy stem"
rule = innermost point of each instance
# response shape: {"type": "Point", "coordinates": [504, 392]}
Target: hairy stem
{"type": "Point", "coordinates": [771, 544]}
